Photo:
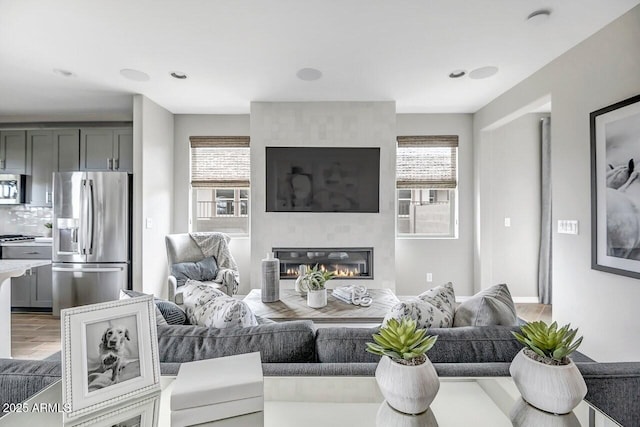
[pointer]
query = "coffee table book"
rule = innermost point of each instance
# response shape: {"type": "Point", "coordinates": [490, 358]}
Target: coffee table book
{"type": "Point", "coordinates": [214, 389]}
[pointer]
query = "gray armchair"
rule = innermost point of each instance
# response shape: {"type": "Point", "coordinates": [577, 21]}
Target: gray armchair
{"type": "Point", "coordinates": [193, 247]}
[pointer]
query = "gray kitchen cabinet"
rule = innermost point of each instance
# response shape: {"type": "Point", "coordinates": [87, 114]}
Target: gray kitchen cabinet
{"type": "Point", "coordinates": [49, 151]}
{"type": "Point", "coordinates": [13, 152]}
{"type": "Point", "coordinates": [66, 143]}
{"type": "Point", "coordinates": [33, 289]}
{"type": "Point", "coordinates": [106, 149]}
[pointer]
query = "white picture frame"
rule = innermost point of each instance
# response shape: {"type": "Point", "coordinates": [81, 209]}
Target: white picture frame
{"type": "Point", "coordinates": [110, 354]}
{"type": "Point", "coordinates": [143, 412]}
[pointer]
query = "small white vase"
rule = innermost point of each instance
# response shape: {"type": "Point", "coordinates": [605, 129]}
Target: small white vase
{"type": "Point", "coordinates": [408, 389]}
{"type": "Point", "coordinates": [47, 232]}
{"type": "Point", "coordinates": [555, 389]}
{"type": "Point", "coordinates": [317, 298]}
{"type": "Point", "coordinates": [389, 417]}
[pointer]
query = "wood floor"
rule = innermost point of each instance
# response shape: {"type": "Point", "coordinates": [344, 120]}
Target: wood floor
{"type": "Point", "coordinates": [37, 335]}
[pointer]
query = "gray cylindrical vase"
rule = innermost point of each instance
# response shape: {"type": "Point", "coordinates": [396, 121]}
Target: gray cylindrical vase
{"type": "Point", "coordinates": [270, 278]}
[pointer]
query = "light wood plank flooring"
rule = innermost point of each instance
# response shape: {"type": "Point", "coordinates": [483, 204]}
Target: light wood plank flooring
{"type": "Point", "coordinates": [37, 335]}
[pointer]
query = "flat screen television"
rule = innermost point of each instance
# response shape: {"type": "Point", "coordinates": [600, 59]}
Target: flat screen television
{"type": "Point", "coordinates": [323, 179]}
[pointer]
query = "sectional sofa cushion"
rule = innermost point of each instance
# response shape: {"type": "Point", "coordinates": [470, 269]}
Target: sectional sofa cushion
{"type": "Point", "coordinates": [493, 306]}
{"type": "Point", "coordinates": [286, 342]}
{"type": "Point", "coordinates": [433, 308]}
{"type": "Point", "coordinates": [20, 379]}
{"type": "Point", "coordinates": [204, 270]}
{"type": "Point", "coordinates": [454, 345]}
{"type": "Point", "coordinates": [207, 306]}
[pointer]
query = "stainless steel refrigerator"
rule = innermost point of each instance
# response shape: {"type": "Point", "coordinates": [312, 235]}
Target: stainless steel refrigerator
{"type": "Point", "coordinates": [91, 237]}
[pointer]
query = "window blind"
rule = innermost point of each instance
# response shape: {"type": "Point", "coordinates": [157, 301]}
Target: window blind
{"type": "Point", "coordinates": [220, 161]}
{"type": "Point", "coordinates": [427, 161]}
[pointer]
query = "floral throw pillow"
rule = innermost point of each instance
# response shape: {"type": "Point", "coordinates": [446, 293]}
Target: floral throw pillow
{"type": "Point", "coordinates": [434, 308]}
{"type": "Point", "coordinates": [210, 307]}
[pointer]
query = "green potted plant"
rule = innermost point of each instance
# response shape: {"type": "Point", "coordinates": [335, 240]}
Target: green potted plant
{"type": "Point", "coordinates": [543, 372]}
{"type": "Point", "coordinates": [314, 281]}
{"type": "Point", "coordinates": [48, 227]}
{"type": "Point", "coordinates": [405, 375]}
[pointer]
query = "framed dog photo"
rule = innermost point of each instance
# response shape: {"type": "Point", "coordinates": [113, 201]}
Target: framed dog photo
{"type": "Point", "coordinates": [110, 354]}
{"type": "Point", "coordinates": [615, 188]}
{"type": "Point", "coordinates": [143, 412]}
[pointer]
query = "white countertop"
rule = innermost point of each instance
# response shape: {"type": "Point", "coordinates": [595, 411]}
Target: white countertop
{"type": "Point", "coordinates": [8, 265]}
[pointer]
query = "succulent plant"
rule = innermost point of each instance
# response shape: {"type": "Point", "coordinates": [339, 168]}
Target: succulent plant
{"type": "Point", "coordinates": [315, 278]}
{"type": "Point", "coordinates": [48, 225]}
{"type": "Point", "coordinates": [549, 342]}
{"type": "Point", "coordinates": [401, 341]}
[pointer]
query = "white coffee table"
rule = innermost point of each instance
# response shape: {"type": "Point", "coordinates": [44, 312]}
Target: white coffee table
{"type": "Point", "coordinates": [351, 402]}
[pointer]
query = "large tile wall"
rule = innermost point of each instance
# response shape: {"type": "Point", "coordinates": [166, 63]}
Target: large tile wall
{"type": "Point", "coordinates": [325, 124]}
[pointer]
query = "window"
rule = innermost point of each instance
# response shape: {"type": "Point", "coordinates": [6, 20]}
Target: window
{"type": "Point", "coordinates": [220, 184]}
{"type": "Point", "coordinates": [426, 185]}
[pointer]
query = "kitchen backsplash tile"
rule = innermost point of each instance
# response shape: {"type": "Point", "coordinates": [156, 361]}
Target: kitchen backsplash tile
{"type": "Point", "coordinates": [24, 219]}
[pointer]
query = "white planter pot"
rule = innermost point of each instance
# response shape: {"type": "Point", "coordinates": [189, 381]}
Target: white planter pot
{"type": "Point", "coordinates": [317, 299]}
{"type": "Point", "coordinates": [389, 417]}
{"type": "Point", "coordinates": [555, 389]}
{"type": "Point", "coordinates": [524, 415]}
{"type": "Point", "coordinates": [408, 389]}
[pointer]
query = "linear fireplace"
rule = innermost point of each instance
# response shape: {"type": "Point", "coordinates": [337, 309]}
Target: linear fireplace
{"type": "Point", "coordinates": [346, 263]}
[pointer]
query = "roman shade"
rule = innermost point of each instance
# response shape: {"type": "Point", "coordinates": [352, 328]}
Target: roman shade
{"type": "Point", "coordinates": [427, 161]}
{"type": "Point", "coordinates": [220, 161]}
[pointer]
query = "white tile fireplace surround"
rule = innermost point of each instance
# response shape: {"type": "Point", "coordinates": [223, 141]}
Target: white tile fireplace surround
{"type": "Point", "coordinates": [325, 124]}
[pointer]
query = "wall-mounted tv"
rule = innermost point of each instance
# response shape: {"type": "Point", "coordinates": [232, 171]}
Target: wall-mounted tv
{"type": "Point", "coordinates": [323, 179]}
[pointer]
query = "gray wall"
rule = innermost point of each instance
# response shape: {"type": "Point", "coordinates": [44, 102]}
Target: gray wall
{"type": "Point", "coordinates": [325, 124]}
{"type": "Point", "coordinates": [600, 71]}
{"type": "Point", "coordinates": [449, 260]}
{"type": "Point", "coordinates": [153, 194]}
{"type": "Point", "coordinates": [512, 191]}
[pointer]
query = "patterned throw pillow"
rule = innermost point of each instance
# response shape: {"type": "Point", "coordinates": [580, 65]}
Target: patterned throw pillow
{"type": "Point", "coordinates": [210, 307]}
{"type": "Point", "coordinates": [434, 308]}
{"type": "Point", "coordinates": [493, 306]}
{"type": "Point", "coordinates": [160, 320]}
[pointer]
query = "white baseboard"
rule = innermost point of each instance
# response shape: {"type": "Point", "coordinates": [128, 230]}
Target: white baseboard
{"type": "Point", "coordinates": [526, 300]}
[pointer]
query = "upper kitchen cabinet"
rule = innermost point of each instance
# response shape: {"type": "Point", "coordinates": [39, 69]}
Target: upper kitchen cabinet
{"type": "Point", "coordinates": [13, 152]}
{"type": "Point", "coordinates": [106, 149]}
{"type": "Point", "coordinates": [49, 151]}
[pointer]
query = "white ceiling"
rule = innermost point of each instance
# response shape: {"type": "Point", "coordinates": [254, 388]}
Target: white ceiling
{"type": "Point", "coordinates": [238, 51]}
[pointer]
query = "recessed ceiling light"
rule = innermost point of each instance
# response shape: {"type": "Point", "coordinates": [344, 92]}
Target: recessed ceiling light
{"type": "Point", "coordinates": [178, 75]}
{"type": "Point", "coordinates": [135, 75]}
{"type": "Point", "coordinates": [539, 16]}
{"type": "Point", "coordinates": [63, 73]}
{"type": "Point", "coordinates": [483, 72]}
{"type": "Point", "coordinates": [309, 74]}
{"type": "Point", "coordinates": [456, 74]}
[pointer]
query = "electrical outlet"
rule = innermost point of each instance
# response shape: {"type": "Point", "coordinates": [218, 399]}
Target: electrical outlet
{"type": "Point", "coordinates": [507, 222]}
{"type": "Point", "coordinates": [149, 223]}
{"type": "Point", "coordinates": [429, 277]}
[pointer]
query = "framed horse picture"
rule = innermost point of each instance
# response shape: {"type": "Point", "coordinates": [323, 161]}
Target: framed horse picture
{"type": "Point", "coordinates": [615, 188]}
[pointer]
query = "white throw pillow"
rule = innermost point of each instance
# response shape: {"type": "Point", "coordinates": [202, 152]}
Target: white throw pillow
{"type": "Point", "coordinates": [210, 307]}
{"type": "Point", "coordinates": [434, 308]}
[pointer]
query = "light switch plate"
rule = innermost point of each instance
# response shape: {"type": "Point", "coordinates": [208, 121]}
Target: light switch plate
{"type": "Point", "coordinates": [567, 226]}
{"type": "Point", "coordinates": [507, 222]}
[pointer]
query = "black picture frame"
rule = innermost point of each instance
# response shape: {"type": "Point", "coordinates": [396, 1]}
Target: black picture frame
{"type": "Point", "coordinates": [615, 188]}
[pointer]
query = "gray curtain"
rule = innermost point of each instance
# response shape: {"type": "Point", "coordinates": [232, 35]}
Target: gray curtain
{"type": "Point", "coordinates": [546, 230]}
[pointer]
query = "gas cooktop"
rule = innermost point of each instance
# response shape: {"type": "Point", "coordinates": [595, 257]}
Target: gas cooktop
{"type": "Point", "coordinates": [15, 238]}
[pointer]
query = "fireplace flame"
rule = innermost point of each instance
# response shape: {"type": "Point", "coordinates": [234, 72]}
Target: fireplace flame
{"type": "Point", "coordinates": [337, 269]}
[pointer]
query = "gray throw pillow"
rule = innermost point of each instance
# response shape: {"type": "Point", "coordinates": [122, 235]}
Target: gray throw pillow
{"type": "Point", "coordinates": [492, 306]}
{"type": "Point", "coordinates": [169, 311]}
{"type": "Point", "coordinates": [204, 270]}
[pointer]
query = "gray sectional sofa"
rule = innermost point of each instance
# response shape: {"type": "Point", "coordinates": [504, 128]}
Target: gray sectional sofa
{"type": "Point", "coordinates": [298, 348]}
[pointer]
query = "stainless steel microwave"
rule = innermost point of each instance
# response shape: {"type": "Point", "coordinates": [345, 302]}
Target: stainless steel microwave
{"type": "Point", "coordinates": [12, 189]}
